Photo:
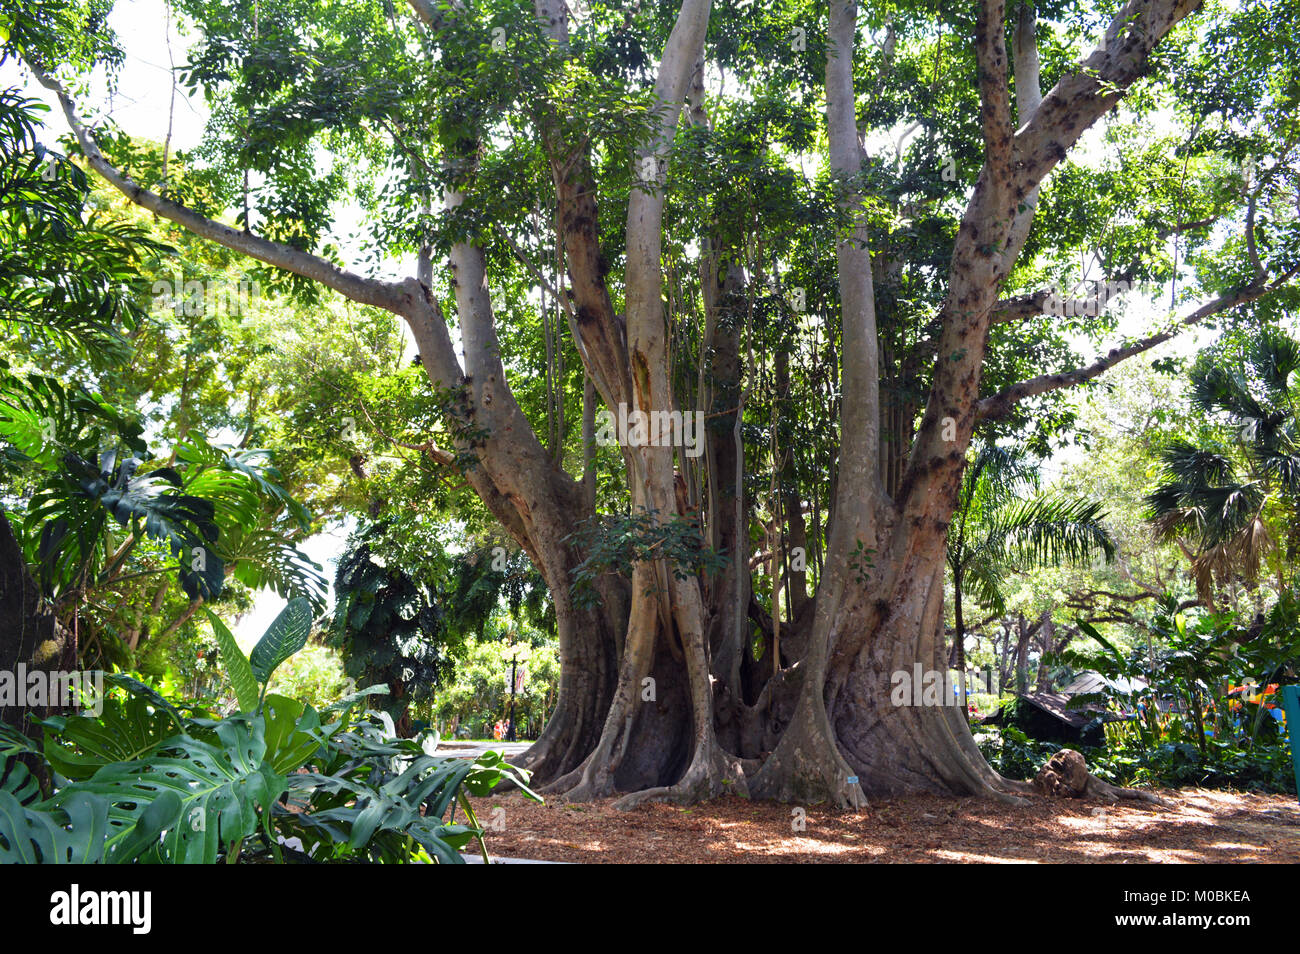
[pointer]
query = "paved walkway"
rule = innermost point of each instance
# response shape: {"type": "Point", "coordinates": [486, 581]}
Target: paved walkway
{"type": "Point", "coordinates": [454, 748]}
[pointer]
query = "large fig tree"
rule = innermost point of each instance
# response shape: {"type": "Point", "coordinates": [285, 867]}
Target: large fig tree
{"type": "Point", "coordinates": [831, 230]}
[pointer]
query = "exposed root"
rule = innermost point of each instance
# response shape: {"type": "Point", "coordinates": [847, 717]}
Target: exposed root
{"type": "Point", "coordinates": [712, 772]}
{"type": "Point", "coordinates": [564, 783]}
{"type": "Point", "coordinates": [807, 769]}
{"type": "Point", "coordinates": [1096, 788]}
{"type": "Point", "coordinates": [587, 782]}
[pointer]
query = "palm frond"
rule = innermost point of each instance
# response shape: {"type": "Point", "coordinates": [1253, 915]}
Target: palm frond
{"type": "Point", "coordinates": [983, 579]}
{"type": "Point", "coordinates": [1049, 531]}
{"type": "Point", "coordinates": [1274, 358]}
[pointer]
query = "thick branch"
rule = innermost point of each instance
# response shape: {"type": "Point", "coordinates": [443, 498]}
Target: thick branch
{"type": "Point", "coordinates": [429, 13]}
{"type": "Point", "coordinates": [859, 477]}
{"type": "Point", "coordinates": [1000, 404]}
{"type": "Point", "coordinates": [1047, 301]}
{"type": "Point", "coordinates": [1029, 95]}
{"type": "Point", "coordinates": [409, 298]}
{"type": "Point", "coordinates": [645, 206]}
{"type": "Point", "coordinates": [1080, 98]}
{"type": "Point", "coordinates": [995, 92]}
{"type": "Point", "coordinates": [367, 291]}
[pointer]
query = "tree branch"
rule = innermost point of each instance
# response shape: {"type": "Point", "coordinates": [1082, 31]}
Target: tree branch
{"type": "Point", "coordinates": [367, 291]}
{"type": "Point", "coordinates": [859, 483]}
{"type": "Point", "coordinates": [408, 299]}
{"type": "Point", "coordinates": [1001, 404]}
{"type": "Point", "coordinates": [1080, 98]}
{"type": "Point", "coordinates": [995, 92]}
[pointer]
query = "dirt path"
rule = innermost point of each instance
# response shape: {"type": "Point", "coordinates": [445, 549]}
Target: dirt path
{"type": "Point", "coordinates": [1198, 826]}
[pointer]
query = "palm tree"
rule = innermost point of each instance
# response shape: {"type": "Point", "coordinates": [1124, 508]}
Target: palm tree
{"type": "Point", "coordinates": [1222, 496]}
{"type": "Point", "coordinates": [1004, 525]}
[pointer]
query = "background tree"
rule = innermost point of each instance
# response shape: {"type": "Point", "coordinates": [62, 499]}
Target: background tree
{"type": "Point", "coordinates": [1235, 494]}
{"type": "Point", "coordinates": [403, 622]}
{"type": "Point", "coordinates": [1002, 525]}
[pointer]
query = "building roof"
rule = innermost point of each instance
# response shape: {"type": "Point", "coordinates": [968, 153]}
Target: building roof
{"type": "Point", "coordinates": [1089, 681]}
{"type": "Point", "coordinates": [1057, 704]}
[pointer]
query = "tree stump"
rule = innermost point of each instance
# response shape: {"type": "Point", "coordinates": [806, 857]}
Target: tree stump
{"type": "Point", "coordinates": [1066, 775]}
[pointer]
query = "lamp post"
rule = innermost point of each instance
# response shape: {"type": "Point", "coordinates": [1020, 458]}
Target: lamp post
{"type": "Point", "coordinates": [510, 719]}
{"type": "Point", "coordinates": [514, 660]}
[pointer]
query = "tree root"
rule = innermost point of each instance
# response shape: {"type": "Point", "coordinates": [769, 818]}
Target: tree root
{"type": "Point", "coordinates": [808, 774]}
{"type": "Point", "coordinates": [712, 772]}
{"type": "Point", "coordinates": [1096, 788]}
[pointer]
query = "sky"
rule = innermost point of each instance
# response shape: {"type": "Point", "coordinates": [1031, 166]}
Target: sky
{"type": "Point", "coordinates": [141, 106]}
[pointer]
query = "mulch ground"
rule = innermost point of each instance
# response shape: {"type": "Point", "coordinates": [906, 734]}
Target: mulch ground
{"type": "Point", "coordinates": [1197, 826]}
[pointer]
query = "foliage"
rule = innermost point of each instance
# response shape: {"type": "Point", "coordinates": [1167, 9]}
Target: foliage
{"type": "Point", "coordinates": [1236, 496]}
{"type": "Point", "coordinates": [314, 676]}
{"type": "Point", "coordinates": [69, 275]}
{"type": "Point", "coordinates": [92, 474]}
{"type": "Point", "coordinates": [615, 543]}
{"type": "Point", "coordinates": [404, 624]}
{"type": "Point", "coordinates": [151, 783]}
{"type": "Point", "coordinates": [103, 522]}
{"type": "Point", "coordinates": [478, 693]}
{"type": "Point", "coordinates": [287, 634]}
{"type": "Point", "coordinates": [1202, 704]}
{"type": "Point", "coordinates": [1001, 525]}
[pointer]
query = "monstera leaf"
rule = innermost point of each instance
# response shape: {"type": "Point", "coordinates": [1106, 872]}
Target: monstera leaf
{"type": "Point", "coordinates": [225, 790]}
{"type": "Point", "coordinates": [282, 639]}
{"type": "Point", "coordinates": [80, 830]}
{"type": "Point", "coordinates": [16, 780]}
{"type": "Point", "coordinates": [267, 558]}
{"type": "Point", "coordinates": [253, 465]}
{"type": "Point", "coordinates": [69, 515]}
{"type": "Point", "coordinates": [293, 733]}
{"type": "Point", "coordinates": [79, 746]}
{"type": "Point", "coordinates": [345, 705]}
{"type": "Point", "coordinates": [13, 742]}
{"type": "Point", "coordinates": [42, 419]}
{"type": "Point", "coordinates": [363, 818]}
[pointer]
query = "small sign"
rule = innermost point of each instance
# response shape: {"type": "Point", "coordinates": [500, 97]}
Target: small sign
{"type": "Point", "coordinates": [853, 780]}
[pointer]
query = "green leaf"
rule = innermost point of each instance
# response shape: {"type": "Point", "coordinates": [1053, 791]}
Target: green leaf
{"type": "Point", "coordinates": [233, 660]}
{"type": "Point", "coordinates": [19, 782]}
{"type": "Point", "coordinates": [137, 688]}
{"type": "Point", "coordinates": [221, 789]}
{"type": "Point", "coordinates": [283, 638]}
{"type": "Point", "coordinates": [347, 702]}
{"type": "Point", "coordinates": [293, 733]}
{"type": "Point", "coordinates": [81, 830]}
{"type": "Point", "coordinates": [13, 742]}
{"type": "Point", "coordinates": [80, 746]}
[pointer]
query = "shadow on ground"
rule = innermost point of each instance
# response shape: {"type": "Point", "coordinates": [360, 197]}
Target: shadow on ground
{"type": "Point", "coordinates": [1198, 826]}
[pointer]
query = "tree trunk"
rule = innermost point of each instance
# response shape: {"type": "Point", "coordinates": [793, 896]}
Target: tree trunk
{"type": "Point", "coordinates": [1046, 635]}
{"type": "Point", "coordinates": [30, 634]}
{"type": "Point", "coordinates": [1022, 656]}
